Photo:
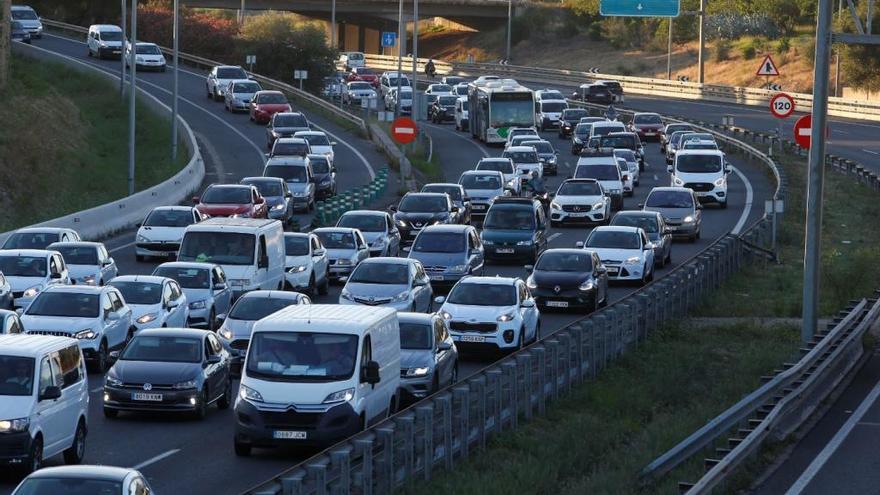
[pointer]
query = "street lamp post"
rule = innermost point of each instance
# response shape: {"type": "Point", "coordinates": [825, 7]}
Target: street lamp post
{"type": "Point", "coordinates": [132, 61]}
{"type": "Point", "coordinates": [509, 27]}
{"type": "Point", "coordinates": [416, 108]}
{"type": "Point", "coordinates": [401, 44]}
{"type": "Point", "coordinates": [701, 56]}
{"type": "Point", "coordinates": [333, 24]}
{"type": "Point", "coordinates": [176, 35]}
{"type": "Point", "coordinates": [122, 58]}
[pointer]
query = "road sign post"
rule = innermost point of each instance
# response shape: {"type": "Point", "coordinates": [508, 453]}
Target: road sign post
{"type": "Point", "coordinates": [300, 75]}
{"type": "Point", "coordinates": [250, 60]}
{"type": "Point", "coordinates": [781, 105]}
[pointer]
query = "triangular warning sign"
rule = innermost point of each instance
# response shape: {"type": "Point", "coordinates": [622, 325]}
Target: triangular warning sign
{"type": "Point", "coordinates": [767, 68]}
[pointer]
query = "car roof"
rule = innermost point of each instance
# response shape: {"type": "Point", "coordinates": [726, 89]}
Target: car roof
{"type": "Point", "coordinates": [686, 152]}
{"type": "Point", "coordinates": [617, 228]}
{"type": "Point", "coordinates": [671, 189]}
{"type": "Point", "coordinates": [409, 317]}
{"type": "Point", "coordinates": [388, 260]}
{"type": "Point", "coordinates": [636, 213]}
{"type": "Point", "coordinates": [58, 244]}
{"type": "Point", "coordinates": [489, 280]}
{"type": "Point", "coordinates": [520, 148]}
{"type": "Point", "coordinates": [292, 140]}
{"type": "Point", "coordinates": [75, 289]}
{"type": "Point", "coordinates": [95, 472]}
{"type": "Point", "coordinates": [371, 213]}
{"type": "Point", "coordinates": [646, 113]}
{"type": "Point", "coordinates": [563, 251]}
{"type": "Point", "coordinates": [146, 43]}
{"type": "Point", "coordinates": [42, 230]}
{"type": "Point", "coordinates": [343, 230]}
{"type": "Point", "coordinates": [347, 320]}
{"type": "Point", "coordinates": [173, 332]}
{"type": "Point", "coordinates": [272, 294]}
{"type": "Point", "coordinates": [297, 234]}
{"type": "Point", "coordinates": [448, 228]}
{"type": "Point", "coordinates": [146, 279]}
{"type": "Point", "coordinates": [307, 133]}
{"type": "Point", "coordinates": [427, 194]}
{"type": "Point", "coordinates": [25, 345]}
{"type": "Point", "coordinates": [252, 180]}
{"type": "Point", "coordinates": [229, 186]}
{"type": "Point", "coordinates": [106, 27]}
{"type": "Point", "coordinates": [187, 264]}
{"type": "Point", "coordinates": [270, 91]}
{"type": "Point", "coordinates": [482, 172]}
{"type": "Point", "coordinates": [228, 67]}
{"type": "Point", "coordinates": [580, 180]}
{"type": "Point", "coordinates": [34, 253]}
{"type": "Point", "coordinates": [494, 159]}
{"type": "Point", "coordinates": [442, 184]}
{"type": "Point", "coordinates": [290, 160]}
{"type": "Point", "coordinates": [173, 208]}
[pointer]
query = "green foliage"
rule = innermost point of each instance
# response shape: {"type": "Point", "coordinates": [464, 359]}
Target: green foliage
{"type": "Point", "coordinates": [722, 50]}
{"type": "Point", "coordinates": [784, 45]}
{"type": "Point", "coordinates": [860, 64]}
{"type": "Point", "coordinates": [748, 50]}
{"type": "Point", "coordinates": [594, 31]}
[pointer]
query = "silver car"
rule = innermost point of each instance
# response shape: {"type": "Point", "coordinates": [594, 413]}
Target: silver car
{"type": "Point", "coordinates": [377, 228]}
{"type": "Point", "coordinates": [155, 301]}
{"type": "Point", "coordinates": [680, 208]}
{"type": "Point", "coordinates": [89, 263]}
{"type": "Point", "coordinates": [207, 291]}
{"type": "Point", "coordinates": [297, 172]}
{"type": "Point", "coordinates": [345, 248]}
{"type": "Point", "coordinates": [239, 93]}
{"type": "Point", "coordinates": [428, 356]}
{"type": "Point", "coordinates": [274, 190]}
{"type": "Point", "coordinates": [398, 283]}
{"type": "Point", "coordinates": [482, 187]}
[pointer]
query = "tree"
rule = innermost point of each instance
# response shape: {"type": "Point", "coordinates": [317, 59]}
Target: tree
{"type": "Point", "coordinates": [5, 28]}
{"type": "Point", "coordinates": [860, 64]}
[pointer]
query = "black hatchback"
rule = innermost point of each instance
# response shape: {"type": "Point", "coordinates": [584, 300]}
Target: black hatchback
{"type": "Point", "coordinates": [568, 278]}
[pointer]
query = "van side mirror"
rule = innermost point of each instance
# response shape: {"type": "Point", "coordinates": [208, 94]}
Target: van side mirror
{"type": "Point", "coordinates": [55, 275]}
{"type": "Point", "coordinates": [220, 286]}
{"type": "Point", "coordinates": [641, 205]}
{"type": "Point", "coordinates": [51, 393]}
{"type": "Point", "coordinates": [529, 268]}
{"type": "Point", "coordinates": [579, 244]}
{"type": "Point", "coordinates": [669, 168]}
{"type": "Point", "coordinates": [371, 373]}
{"type": "Point", "coordinates": [213, 359]}
{"type": "Point", "coordinates": [444, 346]}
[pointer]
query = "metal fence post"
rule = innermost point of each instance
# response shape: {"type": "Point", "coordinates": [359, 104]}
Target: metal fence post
{"type": "Point", "coordinates": [385, 479]}
{"type": "Point", "coordinates": [510, 376]}
{"type": "Point", "coordinates": [590, 333]}
{"type": "Point", "coordinates": [494, 377]}
{"type": "Point", "coordinates": [479, 383]}
{"type": "Point", "coordinates": [341, 459]}
{"type": "Point", "coordinates": [577, 338]}
{"type": "Point", "coordinates": [644, 304]}
{"type": "Point", "coordinates": [407, 424]}
{"type": "Point", "coordinates": [552, 345]}
{"type": "Point", "coordinates": [425, 415]}
{"type": "Point", "coordinates": [524, 359]}
{"type": "Point", "coordinates": [291, 484]}
{"type": "Point", "coordinates": [540, 353]}
{"type": "Point", "coordinates": [365, 445]}
{"type": "Point", "coordinates": [318, 472]}
{"type": "Point", "coordinates": [461, 395]}
{"type": "Point", "coordinates": [565, 343]}
{"type": "Point", "coordinates": [445, 402]}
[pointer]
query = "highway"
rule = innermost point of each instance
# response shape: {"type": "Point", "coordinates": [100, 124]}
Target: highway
{"type": "Point", "coordinates": [186, 456]}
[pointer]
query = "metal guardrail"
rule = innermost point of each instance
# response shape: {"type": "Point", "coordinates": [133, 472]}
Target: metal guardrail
{"type": "Point", "coordinates": [778, 407]}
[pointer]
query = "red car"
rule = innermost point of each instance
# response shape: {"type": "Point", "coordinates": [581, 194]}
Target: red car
{"type": "Point", "coordinates": [265, 104]}
{"type": "Point", "coordinates": [647, 126]}
{"type": "Point", "coordinates": [365, 74]}
{"type": "Point", "coordinates": [231, 200]}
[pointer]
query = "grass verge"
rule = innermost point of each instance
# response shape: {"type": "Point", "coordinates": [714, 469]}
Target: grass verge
{"type": "Point", "coordinates": [849, 252]}
{"type": "Point", "coordinates": [64, 144]}
{"type": "Point", "coordinates": [600, 437]}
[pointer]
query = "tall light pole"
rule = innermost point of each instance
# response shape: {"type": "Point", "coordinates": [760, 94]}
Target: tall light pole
{"type": "Point", "coordinates": [131, 97]}
{"type": "Point", "coordinates": [333, 36]}
{"type": "Point", "coordinates": [509, 27]}
{"type": "Point", "coordinates": [416, 108]}
{"type": "Point", "coordinates": [122, 58]}
{"type": "Point", "coordinates": [401, 44]}
{"type": "Point", "coordinates": [816, 167]}
{"type": "Point", "coordinates": [669, 51]}
{"type": "Point", "coordinates": [701, 56]}
{"type": "Point", "coordinates": [175, 43]}
{"type": "Point", "coordinates": [837, 91]}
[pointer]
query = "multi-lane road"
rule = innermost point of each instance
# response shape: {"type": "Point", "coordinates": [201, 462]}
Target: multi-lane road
{"type": "Point", "coordinates": [186, 456]}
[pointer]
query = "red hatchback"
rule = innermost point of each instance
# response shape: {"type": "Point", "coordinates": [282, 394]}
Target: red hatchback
{"type": "Point", "coordinates": [647, 126]}
{"type": "Point", "coordinates": [265, 104]}
{"type": "Point", "coordinates": [365, 74]}
{"type": "Point", "coordinates": [231, 200]}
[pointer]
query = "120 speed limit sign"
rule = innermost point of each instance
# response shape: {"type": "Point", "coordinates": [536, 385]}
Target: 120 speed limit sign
{"type": "Point", "coordinates": [781, 105]}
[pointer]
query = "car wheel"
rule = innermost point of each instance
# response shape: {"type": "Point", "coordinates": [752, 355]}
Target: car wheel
{"type": "Point", "coordinates": [76, 452]}
{"type": "Point", "coordinates": [212, 320]}
{"type": "Point", "coordinates": [90, 52]}
{"type": "Point", "coordinates": [226, 399]}
{"type": "Point", "coordinates": [312, 290]}
{"type": "Point", "coordinates": [110, 413]}
{"type": "Point", "coordinates": [242, 449]}
{"type": "Point", "coordinates": [100, 363]}
{"type": "Point", "coordinates": [522, 338]}
{"type": "Point", "coordinates": [324, 288]}
{"type": "Point", "coordinates": [644, 281]}
{"type": "Point", "coordinates": [201, 410]}
{"type": "Point", "coordinates": [698, 234]}
{"type": "Point", "coordinates": [554, 224]}
{"type": "Point", "coordinates": [537, 336]}
{"type": "Point", "coordinates": [35, 458]}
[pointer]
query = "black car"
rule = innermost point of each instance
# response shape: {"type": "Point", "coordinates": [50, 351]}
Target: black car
{"type": "Point", "coordinates": [569, 120]}
{"type": "Point", "coordinates": [169, 369]}
{"type": "Point", "coordinates": [569, 278]}
{"type": "Point", "coordinates": [419, 210]}
{"type": "Point", "coordinates": [547, 154]}
{"type": "Point", "coordinates": [614, 87]}
{"type": "Point", "coordinates": [285, 124]}
{"type": "Point", "coordinates": [19, 33]}
{"type": "Point", "coordinates": [443, 109]}
{"type": "Point", "coordinates": [580, 137]}
{"type": "Point", "coordinates": [325, 176]}
{"type": "Point", "coordinates": [627, 141]}
{"type": "Point", "coordinates": [458, 195]}
{"type": "Point", "coordinates": [593, 93]}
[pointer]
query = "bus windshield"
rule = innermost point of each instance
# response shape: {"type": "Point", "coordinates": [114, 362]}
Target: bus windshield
{"type": "Point", "coordinates": [512, 110]}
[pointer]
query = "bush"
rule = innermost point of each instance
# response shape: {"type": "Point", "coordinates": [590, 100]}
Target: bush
{"type": "Point", "coordinates": [734, 25]}
{"type": "Point", "coordinates": [623, 70]}
{"type": "Point", "coordinates": [722, 50]}
{"type": "Point", "coordinates": [594, 31]}
{"type": "Point", "coordinates": [784, 45]}
{"type": "Point", "coordinates": [748, 51]}
{"type": "Point", "coordinates": [570, 25]}
{"type": "Point", "coordinates": [861, 63]}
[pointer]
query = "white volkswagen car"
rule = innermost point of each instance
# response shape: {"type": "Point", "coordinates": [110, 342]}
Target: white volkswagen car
{"type": "Point", "coordinates": [494, 312]}
{"type": "Point", "coordinates": [626, 252]}
{"type": "Point", "coordinates": [31, 271]}
{"type": "Point", "coordinates": [345, 248]}
{"type": "Point", "coordinates": [526, 160]}
{"type": "Point", "coordinates": [306, 266]}
{"type": "Point", "coordinates": [154, 301]}
{"type": "Point", "coordinates": [506, 167]}
{"type": "Point", "coordinates": [162, 230]}
{"type": "Point", "coordinates": [89, 263]}
{"type": "Point", "coordinates": [580, 200]}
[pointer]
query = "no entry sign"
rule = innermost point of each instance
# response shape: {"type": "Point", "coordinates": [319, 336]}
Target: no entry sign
{"type": "Point", "coordinates": [404, 130]}
{"type": "Point", "coordinates": [781, 105]}
{"type": "Point", "coordinates": [802, 129]}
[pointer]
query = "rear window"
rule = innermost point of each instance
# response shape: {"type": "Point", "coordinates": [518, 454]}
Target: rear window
{"type": "Point", "coordinates": [553, 106]}
{"type": "Point", "coordinates": [598, 172]}
{"type": "Point", "coordinates": [231, 73]}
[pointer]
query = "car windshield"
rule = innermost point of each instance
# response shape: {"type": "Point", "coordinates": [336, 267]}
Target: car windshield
{"type": "Point", "coordinates": [598, 172]}
{"type": "Point", "coordinates": [567, 261]}
{"type": "Point", "coordinates": [169, 218]}
{"type": "Point", "coordinates": [511, 109]}
{"type": "Point", "coordinates": [290, 120]}
{"type": "Point", "coordinates": [454, 192]}
{"type": "Point", "coordinates": [188, 278]}
{"type": "Point", "coordinates": [476, 181]}
{"type": "Point", "coordinates": [381, 273]}
{"type": "Point", "coordinates": [627, 155]}
{"type": "Point", "coordinates": [163, 349]}
{"type": "Point", "coordinates": [290, 148]}
{"type": "Point", "coordinates": [597, 89]}
{"type": "Point", "coordinates": [68, 486]}
{"type": "Point", "coordinates": [364, 71]}
{"type": "Point", "coordinates": [364, 222]}
{"type": "Point", "coordinates": [24, 15]}
{"type": "Point", "coordinates": [416, 336]}
{"type": "Point", "coordinates": [628, 142]}
{"type": "Point", "coordinates": [700, 146]}
{"type": "Point", "coordinates": [246, 88]}
{"type": "Point", "coordinates": [447, 101]}
{"type": "Point", "coordinates": [392, 82]}
{"type": "Point", "coordinates": [521, 156]}
{"type": "Point", "coordinates": [698, 164]}
{"type": "Point", "coordinates": [78, 255]}
{"type": "Point", "coordinates": [360, 85]}
{"type": "Point", "coordinates": [648, 223]}
{"type": "Point", "coordinates": [622, 165]}
{"type": "Point", "coordinates": [572, 188]}
{"type": "Point", "coordinates": [271, 99]}
{"type": "Point", "coordinates": [477, 294]}
{"type": "Point", "coordinates": [257, 308]}
{"type": "Point", "coordinates": [439, 242]}
{"type": "Point", "coordinates": [647, 119]}
{"type": "Point", "coordinates": [336, 240]}
{"type": "Point", "coordinates": [68, 304]}
{"type": "Point", "coordinates": [302, 356]}
{"type": "Point", "coordinates": [540, 146]}
{"type": "Point", "coordinates": [16, 375]}
{"type": "Point", "coordinates": [227, 195]}
{"type": "Point", "coordinates": [296, 245]}
{"type": "Point", "coordinates": [583, 130]}
{"type": "Point", "coordinates": [574, 114]}
{"type": "Point", "coordinates": [291, 173]}
{"type": "Point", "coordinates": [30, 240]}
{"type": "Point", "coordinates": [317, 139]}
{"type": "Point", "coordinates": [320, 165]}
{"type": "Point", "coordinates": [111, 36]}
{"type": "Point", "coordinates": [697, 136]}
{"type": "Point", "coordinates": [441, 88]}
{"type": "Point", "coordinates": [267, 188]}
{"type": "Point", "coordinates": [503, 166]}
{"type": "Point", "coordinates": [148, 50]}
{"type": "Point", "coordinates": [223, 248]}
{"type": "Point", "coordinates": [23, 266]}
{"type": "Point", "coordinates": [553, 106]}
{"type": "Point", "coordinates": [670, 199]}
{"type": "Point", "coordinates": [231, 73]}
{"type": "Point", "coordinates": [510, 219]}
{"type": "Point", "coordinates": [461, 91]}
{"type": "Point", "coordinates": [613, 240]}
{"type": "Point", "coordinates": [139, 292]}
{"type": "Point", "coordinates": [417, 203]}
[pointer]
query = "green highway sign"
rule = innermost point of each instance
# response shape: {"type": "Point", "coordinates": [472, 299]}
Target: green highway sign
{"type": "Point", "coordinates": [639, 8]}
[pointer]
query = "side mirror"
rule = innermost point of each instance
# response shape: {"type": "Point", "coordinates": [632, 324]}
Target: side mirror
{"type": "Point", "coordinates": [392, 208]}
{"type": "Point", "coordinates": [213, 359]}
{"type": "Point", "coordinates": [699, 206]}
{"type": "Point", "coordinates": [111, 316]}
{"type": "Point", "coordinates": [114, 355]}
{"type": "Point", "coordinates": [220, 286]}
{"type": "Point", "coordinates": [420, 283]}
{"type": "Point", "coordinates": [319, 252]}
{"type": "Point", "coordinates": [669, 168]}
{"type": "Point", "coordinates": [727, 169]}
{"type": "Point", "coordinates": [641, 205]}
{"type": "Point", "coordinates": [51, 393]}
{"type": "Point", "coordinates": [332, 143]}
{"type": "Point", "coordinates": [667, 231]}
{"type": "Point", "coordinates": [529, 268]}
{"type": "Point", "coordinates": [406, 249]}
{"type": "Point", "coordinates": [466, 199]}
{"type": "Point", "coordinates": [528, 303]}
{"type": "Point", "coordinates": [107, 262]}
{"type": "Point", "coordinates": [55, 275]}
{"type": "Point", "coordinates": [288, 194]}
{"type": "Point", "coordinates": [172, 303]}
{"type": "Point", "coordinates": [371, 373]}
{"type": "Point", "coordinates": [444, 346]}
{"type": "Point", "coordinates": [440, 299]}
{"type": "Point", "coordinates": [601, 270]}
{"type": "Point", "coordinates": [343, 280]}
{"type": "Point", "coordinates": [455, 209]}
{"type": "Point", "coordinates": [551, 195]}
{"type": "Point", "coordinates": [579, 244]}
{"type": "Point", "coordinates": [195, 200]}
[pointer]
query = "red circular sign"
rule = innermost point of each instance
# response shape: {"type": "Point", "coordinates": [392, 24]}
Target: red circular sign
{"type": "Point", "coordinates": [404, 130]}
{"type": "Point", "coordinates": [781, 105]}
{"type": "Point", "coordinates": [802, 130]}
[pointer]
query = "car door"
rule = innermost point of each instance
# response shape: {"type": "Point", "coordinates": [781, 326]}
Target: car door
{"type": "Point", "coordinates": [167, 311]}
{"type": "Point", "coordinates": [117, 331]}
{"type": "Point", "coordinates": [179, 314]}
{"type": "Point", "coordinates": [600, 275]}
{"type": "Point", "coordinates": [319, 258]}
{"type": "Point", "coordinates": [649, 252]}
{"type": "Point", "coordinates": [372, 400]}
{"type": "Point", "coordinates": [13, 324]}
{"type": "Point", "coordinates": [49, 414]}
{"type": "Point", "coordinates": [108, 264]}
{"type": "Point", "coordinates": [69, 371]}
{"type": "Point", "coordinates": [393, 236]}
{"type": "Point", "coordinates": [363, 251]}
{"type": "Point", "coordinates": [541, 234]}
{"type": "Point", "coordinates": [213, 376]}
{"type": "Point", "coordinates": [442, 358]}
{"type": "Point", "coordinates": [529, 315]}
{"type": "Point", "coordinates": [421, 287]}
{"type": "Point", "coordinates": [223, 295]}
{"type": "Point", "coordinates": [475, 252]}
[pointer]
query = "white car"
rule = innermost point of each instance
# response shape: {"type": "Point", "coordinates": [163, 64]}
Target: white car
{"type": "Point", "coordinates": [220, 77]}
{"type": "Point", "coordinates": [378, 230]}
{"type": "Point", "coordinates": [626, 177]}
{"type": "Point", "coordinates": [494, 312]}
{"type": "Point", "coordinates": [399, 283]}
{"type": "Point", "coordinates": [97, 317]}
{"type": "Point", "coordinates": [345, 247]}
{"type": "Point", "coordinates": [239, 93]}
{"type": "Point", "coordinates": [39, 237]}
{"type": "Point", "coordinates": [355, 91]}
{"type": "Point", "coordinates": [580, 200]}
{"type": "Point", "coordinates": [29, 20]}
{"type": "Point", "coordinates": [699, 144]}
{"type": "Point", "coordinates": [154, 301]}
{"type": "Point", "coordinates": [162, 230]}
{"type": "Point", "coordinates": [31, 271]}
{"type": "Point", "coordinates": [438, 89]}
{"type": "Point", "coordinates": [482, 187]}
{"type": "Point", "coordinates": [521, 131]}
{"type": "Point", "coordinates": [526, 160]}
{"type": "Point", "coordinates": [148, 57]}
{"type": "Point", "coordinates": [603, 167]}
{"type": "Point", "coordinates": [406, 99]}
{"type": "Point", "coordinates": [306, 266]}
{"type": "Point", "coordinates": [632, 163]}
{"type": "Point", "coordinates": [319, 143]}
{"type": "Point", "coordinates": [104, 40]}
{"type": "Point", "coordinates": [350, 60]}
{"type": "Point", "coordinates": [88, 263]}
{"type": "Point", "coordinates": [626, 252]}
{"type": "Point", "coordinates": [207, 291]}
{"type": "Point", "coordinates": [549, 112]}
{"type": "Point", "coordinates": [506, 167]}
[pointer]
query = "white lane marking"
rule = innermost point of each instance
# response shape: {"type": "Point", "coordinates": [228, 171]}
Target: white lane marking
{"type": "Point", "coordinates": [747, 208]}
{"type": "Point", "coordinates": [156, 459]}
{"type": "Point", "coordinates": [459, 136]}
{"type": "Point", "coordinates": [868, 423]}
{"type": "Point", "coordinates": [835, 443]}
{"type": "Point", "coordinates": [120, 248]}
{"type": "Point", "coordinates": [871, 152]}
{"type": "Point", "coordinates": [553, 236]}
{"type": "Point", "coordinates": [656, 178]}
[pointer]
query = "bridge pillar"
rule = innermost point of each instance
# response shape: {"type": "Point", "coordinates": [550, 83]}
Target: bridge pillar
{"type": "Point", "coordinates": [351, 40]}
{"type": "Point", "coordinates": [372, 41]}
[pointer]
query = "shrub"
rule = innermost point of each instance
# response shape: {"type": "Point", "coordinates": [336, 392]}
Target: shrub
{"type": "Point", "coordinates": [623, 70]}
{"type": "Point", "coordinates": [722, 50]}
{"type": "Point", "coordinates": [570, 25]}
{"type": "Point", "coordinates": [784, 45]}
{"type": "Point", "coordinates": [748, 51]}
{"type": "Point", "coordinates": [730, 25]}
{"type": "Point", "coordinates": [594, 31]}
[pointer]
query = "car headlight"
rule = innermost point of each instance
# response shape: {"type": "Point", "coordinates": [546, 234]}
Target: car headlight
{"type": "Point", "coordinates": [552, 159]}
{"type": "Point", "coordinates": [417, 372]}
{"type": "Point", "coordinates": [141, 238]}
{"type": "Point", "coordinates": [279, 207]}
{"type": "Point", "coordinates": [527, 242]}
{"type": "Point", "coordinates": [587, 285]}
{"type": "Point", "coordinates": [346, 295]}
{"type": "Point", "coordinates": [184, 385]}
{"type": "Point", "coordinates": [445, 314]}
{"type": "Point", "coordinates": [197, 304]}
{"type": "Point", "coordinates": [531, 284]}
{"type": "Point", "coordinates": [248, 393]}
{"type": "Point", "coordinates": [87, 334]}
{"type": "Point", "coordinates": [555, 206]}
{"type": "Point", "coordinates": [146, 318]}
{"type": "Point", "coordinates": [400, 223]}
{"type": "Point", "coordinates": [240, 282]}
{"type": "Point", "coordinates": [506, 317]}
{"type": "Point", "coordinates": [677, 181]}
{"type": "Point", "coordinates": [225, 333]}
{"type": "Point", "coordinates": [614, 191]}
{"type": "Point", "coordinates": [633, 260]}
{"type": "Point", "coordinates": [457, 269]}
{"type": "Point", "coordinates": [720, 182]}
{"type": "Point", "coordinates": [32, 291]}
{"type": "Point", "coordinates": [14, 425]}
{"type": "Point", "coordinates": [112, 381]}
{"type": "Point", "coordinates": [599, 206]}
{"type": "Point", "coordinates": [299, 194]}
{"type": "Point", "coordinates": [341, 396]}
{"type": "Point", "coordinates": [297, 269]}
{"type": "Point", "coordinates": [343, 261]}
{"type": "Point", "coordinates": [688, 219]}
{"type": "Point", "coordinates": [89, 280]}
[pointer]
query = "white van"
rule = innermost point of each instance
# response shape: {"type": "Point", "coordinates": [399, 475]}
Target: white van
{"type": "Point", "coordinates": [44, 400]}
{"type": "Point", "coordinates": [29, 20]}
{"type": "Point", "coordinates": [461, 114]}
{"type": "Point", "coordinates": [316, 374]}
{"type": "Point", "coordinates": [350, 60]}
{"type": "Point", "coordinates": [104, 40]}
{"type": "Point", "coordinates": [703, 171]}
{"type": "Point", "coordinates": [250, 250]}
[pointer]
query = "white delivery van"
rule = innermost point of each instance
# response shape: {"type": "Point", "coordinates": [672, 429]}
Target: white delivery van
{"type": "Point", "coordinates": [703, 171]}
{"type": "Point", "coordinates": [250, 250]}
{"type": "Point", "coordinates": [316, 374]}
{"type": "Point", "coordinates": [44, 400]}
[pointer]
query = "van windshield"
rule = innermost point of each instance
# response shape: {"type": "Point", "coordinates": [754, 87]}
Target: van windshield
{"type": "Point", "coordinates": [188, 278]}
{"type": "Point", "coordinates": [111, 35]}
{"type": "Point", "coordinates": [301, 356]}
{"type": "Point", "coordinates": [16, 375]}
{"type": "Point", "coordinates": [698, 164]}
{"type": "Point", "coordinates": [223, 248]}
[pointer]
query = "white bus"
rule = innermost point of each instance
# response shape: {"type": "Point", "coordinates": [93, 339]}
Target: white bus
{"type": "Point", "coordinates": [497, 106]}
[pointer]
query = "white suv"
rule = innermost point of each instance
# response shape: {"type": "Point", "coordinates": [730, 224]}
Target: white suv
{"type": "Point", "coordinates": [704, 172]}
{"type": "Point", "coordinates": [220, 77]}
{"type": "Point", "coordinates": [495, 312]}
{"type": "Point", "coordinates": [580, 200]}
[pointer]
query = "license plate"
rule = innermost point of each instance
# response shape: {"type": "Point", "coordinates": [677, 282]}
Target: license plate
{"type": "Point", "coordinates": [478, 207]}
{"type": "Point", "coordinates": [473, 338]}
{"type": "Point", "coordinates": [612, 271]}
{"type": "Point", "coordinates": [577, 214]}
{"type": "Point", "coordinates": [289, 435]}
{"type": "Point", "coordinates": [504, 250]}
{"type": "Point", "coordinates": [557, 304]}
{"type": "Point", "coordinates": [146, 397]}
{"type": "Point", "coordinates": [438, 278]}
